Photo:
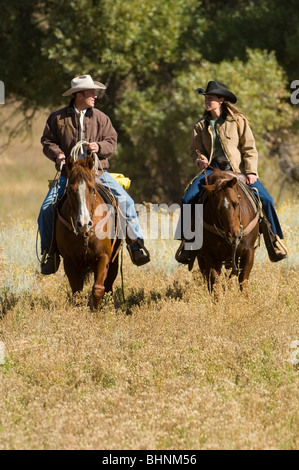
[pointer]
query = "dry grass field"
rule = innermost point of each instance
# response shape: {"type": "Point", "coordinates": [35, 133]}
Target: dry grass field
{"type": "Point", "coordinates": [166, 367]}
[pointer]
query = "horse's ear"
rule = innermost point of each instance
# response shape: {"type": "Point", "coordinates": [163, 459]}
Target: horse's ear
{"type": "Point", "coordinates": [209, 187]}
{"type": "Point", "coordinates": [70, 163]}
{"type": "Point", "coordinates": [89, 161]}
{"type": "Point", "coordinates": [232, 182]}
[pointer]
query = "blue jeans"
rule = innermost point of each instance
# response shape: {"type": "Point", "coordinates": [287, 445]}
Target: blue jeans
{"type": "Point", "coordinates": [46, 215]}
{"type": "Point", "coordinates": [126, 203]}
{"type": "Point", "coordinates": [266, 200]}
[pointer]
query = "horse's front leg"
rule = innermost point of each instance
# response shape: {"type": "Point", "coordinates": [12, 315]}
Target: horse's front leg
{"type": "Point", "coordinates": [246, 263]}
{"type": "Point", "coordinates": [100, 274]}
{"type": "Point", "coordinates": [74, 275]}
{"type": "Point", "coordinates": [214, 273]}
{"type": "Point", "coordinates": [213, 269]}
{"type": "Point", "coordinates": [111, 275]}
{"type": "Point", "coordinates": [210, 269]}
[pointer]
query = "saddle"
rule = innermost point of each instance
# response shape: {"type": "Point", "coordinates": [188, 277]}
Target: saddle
{"type": "Point", "coordinates": [251, 193]}
{"type": "Point", "coordinates": [106, 194]}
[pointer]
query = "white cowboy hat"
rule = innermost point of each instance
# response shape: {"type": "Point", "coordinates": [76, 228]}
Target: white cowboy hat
{"type": "Point", "coordinates": [84, 82]}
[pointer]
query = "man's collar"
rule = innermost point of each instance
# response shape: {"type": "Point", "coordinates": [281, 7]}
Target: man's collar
{"type": "Point", "coordinates": [72, 109]}
{"type": "Point", "coordinates": [79, 112]}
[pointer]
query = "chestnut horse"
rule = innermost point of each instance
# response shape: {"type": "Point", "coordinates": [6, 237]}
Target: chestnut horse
{"type": "Point", "coordinates": [84, 232]}
{"type": "Point", "coordinates": [230, 227]}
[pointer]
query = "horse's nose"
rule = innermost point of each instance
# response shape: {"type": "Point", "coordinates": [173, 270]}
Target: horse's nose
{"type": "Point", "coordinates": [237, 239]}
{"type": "Point", "coordinates": [234, 239]}
{"type": "Point", "coordinates": [84, 227]}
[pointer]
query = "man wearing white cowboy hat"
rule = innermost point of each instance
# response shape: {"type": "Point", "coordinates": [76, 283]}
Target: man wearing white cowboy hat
{"type": "Point", "coordinates": [81, 121]}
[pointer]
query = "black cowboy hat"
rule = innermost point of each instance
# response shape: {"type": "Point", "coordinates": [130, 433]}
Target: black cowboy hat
{"type": "Point", "coordinates": [218, 89]}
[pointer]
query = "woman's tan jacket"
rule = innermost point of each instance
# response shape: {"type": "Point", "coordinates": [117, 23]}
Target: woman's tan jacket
{"type": "Point", "coordinates": [236, 139]}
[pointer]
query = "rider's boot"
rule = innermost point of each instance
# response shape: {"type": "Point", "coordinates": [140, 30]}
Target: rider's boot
{"type": "Point", "coordinates": [138, 253]}
{"type": "Point", "coordinates": [50, 262]}
{"type": "Point", "coordinates": [274, 245]}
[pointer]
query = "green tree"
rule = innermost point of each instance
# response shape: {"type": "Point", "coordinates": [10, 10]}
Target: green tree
{"type": "Point", "coordinates": [236, 25]}
{"type": "Point", "coordinates": [28, 73]}
{"type": "Point", "coordinates": [151, 55]}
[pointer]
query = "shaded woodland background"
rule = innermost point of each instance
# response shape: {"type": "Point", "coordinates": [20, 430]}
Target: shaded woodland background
{"type": "Point", "coordinates": [166, 365]}
{"type": "Point", "coordinates": [152, 56]}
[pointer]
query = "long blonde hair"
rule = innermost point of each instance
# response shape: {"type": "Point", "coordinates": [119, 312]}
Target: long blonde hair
{"type": "Point", "coordinates": [229, 108]}
{"type": "Point", "coordinates": [232, 110]}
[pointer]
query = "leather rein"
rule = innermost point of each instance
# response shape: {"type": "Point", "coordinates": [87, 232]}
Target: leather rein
{"type": "Point", "coordinates": [221, 232]}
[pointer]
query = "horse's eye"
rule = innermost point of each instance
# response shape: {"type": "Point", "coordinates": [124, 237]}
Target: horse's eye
{"type": "Point", "coordinates": [71, 190]}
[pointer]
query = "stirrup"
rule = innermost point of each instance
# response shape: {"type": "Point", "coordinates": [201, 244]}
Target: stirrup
{"type": "Point", "coordinates": [44, 254]}
{"type": "Point", "coordinates": [280, 249]}
{"type": "Point", "coordinates": [142, 253]}
{"type": "Point", "coordinates": [182, 256]}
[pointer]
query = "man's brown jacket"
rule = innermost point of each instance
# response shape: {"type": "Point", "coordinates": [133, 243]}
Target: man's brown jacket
{"type": "Point", "coordinates": [62, 133]}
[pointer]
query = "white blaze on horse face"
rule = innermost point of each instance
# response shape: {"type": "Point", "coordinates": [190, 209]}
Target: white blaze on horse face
{"type": "Point", "coordinates": [226, 203]}
{"type": "Point", "coordinates": [83, 218]}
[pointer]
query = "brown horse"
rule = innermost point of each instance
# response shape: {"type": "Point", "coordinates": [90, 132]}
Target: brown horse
{"type": "Point", "coordinates": [230, 228]}
{"type": "Point", "coordinates": [84, 235]}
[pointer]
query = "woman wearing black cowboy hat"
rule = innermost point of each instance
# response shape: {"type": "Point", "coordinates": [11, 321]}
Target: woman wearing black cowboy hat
{"type": "Point", "coordinates": [223, 139]}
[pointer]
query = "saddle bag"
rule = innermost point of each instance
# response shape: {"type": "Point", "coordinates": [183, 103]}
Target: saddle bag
{"type": "Point", "coordinates": [124, 181]}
